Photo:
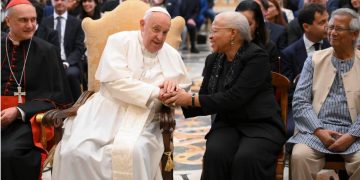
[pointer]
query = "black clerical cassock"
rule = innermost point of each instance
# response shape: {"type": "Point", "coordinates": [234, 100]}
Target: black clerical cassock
{"type": "Point", "coordinates": [30, 69]}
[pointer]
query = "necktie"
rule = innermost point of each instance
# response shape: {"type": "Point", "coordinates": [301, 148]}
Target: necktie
{"type": "Point", "coordinates": [317, 46]}
{"type": "Point", "coordinates": [58, 27]}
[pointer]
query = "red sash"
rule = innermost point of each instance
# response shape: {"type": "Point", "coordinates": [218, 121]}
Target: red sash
{"type": "Point", "coordinates": [12, 101]}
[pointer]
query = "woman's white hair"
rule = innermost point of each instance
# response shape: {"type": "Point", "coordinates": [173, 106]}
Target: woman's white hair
{"type": "Point", "coordinates": [236, 20]}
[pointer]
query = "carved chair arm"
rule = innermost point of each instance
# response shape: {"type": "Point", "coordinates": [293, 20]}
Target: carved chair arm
{"type": "Point", "coordinates": [167, 124]}
{"type": "Point", "coordinates": [55, 117]}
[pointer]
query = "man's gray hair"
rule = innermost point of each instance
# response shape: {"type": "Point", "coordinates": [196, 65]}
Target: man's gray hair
{"type": "Point", "coordinates": [150, 11]}
{"type": "Point", "coordinates": [236, 20]}
{"type": "Point", "coordinates": [355, 21]}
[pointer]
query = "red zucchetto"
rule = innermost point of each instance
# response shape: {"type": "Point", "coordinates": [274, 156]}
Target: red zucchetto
{"type": "Point", "coordinates": [17, 2]}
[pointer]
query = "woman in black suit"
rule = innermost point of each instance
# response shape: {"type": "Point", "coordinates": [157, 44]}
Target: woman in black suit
{"type": "Point", "coordinates": [247, 133]}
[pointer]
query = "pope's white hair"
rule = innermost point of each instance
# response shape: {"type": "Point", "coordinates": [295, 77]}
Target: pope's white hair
{"type": "Point", "coordinates": [236, 20]}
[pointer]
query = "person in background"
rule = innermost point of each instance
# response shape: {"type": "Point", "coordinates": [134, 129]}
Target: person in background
{"type": "Point", "coordinates": [74, 7]}
{"type": "Point", "coordinates": [189, 10]}
{"type": "Point", "coordinates": [274, 13]}
{"type": "Point", "coordinates": [173, 7]}
{"type": "Point", "coordinates": [259, 34]}
{"type": "Point", "coordinates": [326, 102]}
{"type": "Point", "coordinates": [247, 133]}
{"type": "Point", "coordinates": [288, 13]}
{"type": "Point", "coordinates": [294, 29]}
{"type": "Point", "coordinates": [90, 8]}
{"type": "Point", "coordinates": [42, 31]}
{"type": "Point", "coordinates": [278, 33]}
{"type": "Point", "coordinates": [332, 5]}
{"type": "Point", "coordinates": [71, 38]}
{"type": "Point", "coordinates": [313, 19]}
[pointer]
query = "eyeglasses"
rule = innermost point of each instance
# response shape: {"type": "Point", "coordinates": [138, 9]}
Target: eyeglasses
{"type": "Point", "coordinates": [336, 28]}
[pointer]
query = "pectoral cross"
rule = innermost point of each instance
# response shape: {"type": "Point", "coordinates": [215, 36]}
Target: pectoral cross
{"type": "Point", "coordinates": [19, 94]}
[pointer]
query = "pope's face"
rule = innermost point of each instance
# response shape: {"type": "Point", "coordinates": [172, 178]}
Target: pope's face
{"type": "Point", "coordinates": [154, 31]}
{"type": "Point", "coordinates": [22, 22]}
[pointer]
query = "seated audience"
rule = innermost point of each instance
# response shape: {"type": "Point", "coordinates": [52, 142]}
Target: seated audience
{"type": "Point", "coordinates": [90, 8]}
{"type": "Point", "coordinates": [313, 19]}
{"type": "Point", "coordinates": [278, 33]}
{"type": "Point", "coordinates": [274, 13]}
{"type": "Point", "coordinates": [294, 29]}
{"type": "Point", "coordinates": [288, 13]}
{"type": "Point", "coordinates": [189, 10]}
{"type": "Point", "coordinates": [259, 34]}
{"type": "Point", "coordinates": [71, 37]}
{"type": "Point", "coordinates": [74, 7]}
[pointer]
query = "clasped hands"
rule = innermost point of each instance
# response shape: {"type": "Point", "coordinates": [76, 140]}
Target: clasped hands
{"type": "Point", "coordinates": [172, 95]}
{"type": "Point", "coordinates": [333, 140]}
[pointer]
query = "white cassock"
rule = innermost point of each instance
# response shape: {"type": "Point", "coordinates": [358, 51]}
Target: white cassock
{"type": "Point", "coordinates": [116, 133]}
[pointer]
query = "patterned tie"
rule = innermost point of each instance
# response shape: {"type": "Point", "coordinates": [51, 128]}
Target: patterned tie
{"type": "Point", "coordinates": [317, 46]}
{"type": "Point", "coordinates": [58, 27]}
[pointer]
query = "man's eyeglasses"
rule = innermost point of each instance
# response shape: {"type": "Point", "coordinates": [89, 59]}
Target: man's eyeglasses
{"type": "Point", "coordinates": [336, 28]}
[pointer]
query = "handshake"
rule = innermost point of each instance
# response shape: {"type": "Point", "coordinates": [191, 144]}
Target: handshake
{"type": "Point", "coordinates": [172, 95]}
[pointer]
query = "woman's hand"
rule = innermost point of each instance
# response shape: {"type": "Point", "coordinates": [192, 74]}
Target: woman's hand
{"type": "Point", "coordinates": [179, 98]}
{"type": "Point", "coordinates": [167, 89]}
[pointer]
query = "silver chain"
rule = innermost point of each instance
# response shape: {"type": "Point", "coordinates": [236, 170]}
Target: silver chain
{"type": "Point", "coordinates": [8, 59]}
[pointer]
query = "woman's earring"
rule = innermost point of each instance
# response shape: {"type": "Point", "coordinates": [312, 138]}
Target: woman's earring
{"type": "Point", "coordinates": [232, 43]}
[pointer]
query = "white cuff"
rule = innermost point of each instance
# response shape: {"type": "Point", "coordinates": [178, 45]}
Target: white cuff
{"type": "Point", "coordinates": [21, 115]}
{"type": "Point", "coordinates": [154, 95]}
{"type": "Point", "coordinates": [66, 64]}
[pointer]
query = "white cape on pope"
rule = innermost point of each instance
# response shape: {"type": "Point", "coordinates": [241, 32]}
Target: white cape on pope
{"type": "Point", "coordinates": [116, 134]}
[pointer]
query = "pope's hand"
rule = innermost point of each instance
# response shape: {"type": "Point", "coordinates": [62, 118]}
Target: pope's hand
{"type": "Point", "coordinates": [169, 86]}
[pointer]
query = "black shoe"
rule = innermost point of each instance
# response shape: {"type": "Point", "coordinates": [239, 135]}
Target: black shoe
{"type": "Point", "coordinates": [194, 50]}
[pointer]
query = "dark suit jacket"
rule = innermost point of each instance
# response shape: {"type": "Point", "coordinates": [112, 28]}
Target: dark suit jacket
{"type": "Point", "coordinates": [50, 35]}
{"type": "Point", "coordinates": [278, 35]}
{"type": "Point", "coordinates": [73, 40]}
{"type": "Point", "coordinates": [294, 31]}
{"type": "Point", "coordinates": [189, 9]}
{"type": "Point", "coordinates": [294, 56]}
{"type": "Point", "coordinates": [248, 103]}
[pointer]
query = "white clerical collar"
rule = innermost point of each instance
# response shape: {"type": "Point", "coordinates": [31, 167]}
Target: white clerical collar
{"type": "Point", "coordinates": [146, 53]}
{"type": "Point", "coordinates": [16, 43]}
{"type": "Point", "coordinates": [64, 15]}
